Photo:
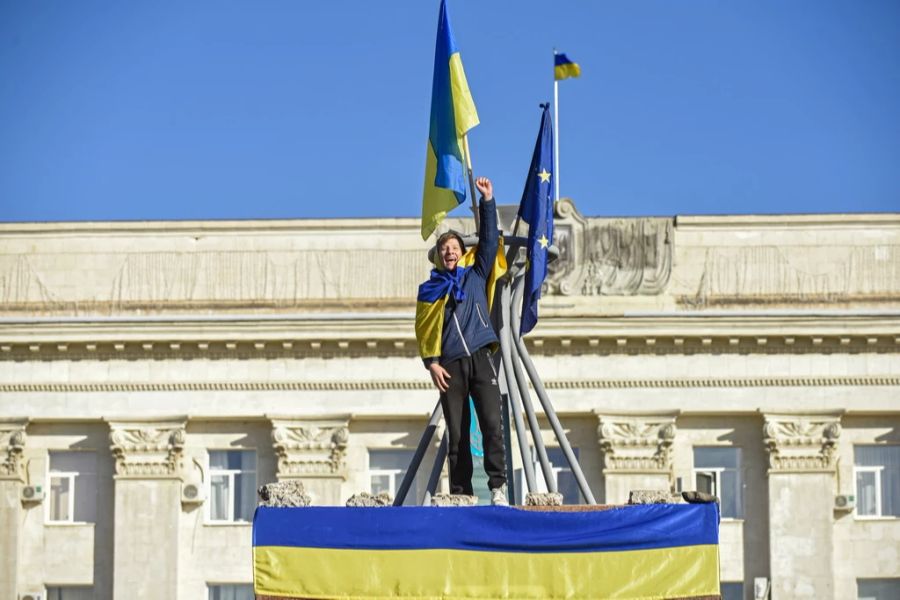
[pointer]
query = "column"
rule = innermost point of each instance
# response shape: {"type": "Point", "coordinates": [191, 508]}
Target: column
{"type": "Point", "coordinates": [802, 460]}
{"type": "Point", "coordinates": [637, 454]}
{"type": "Point", "coordinates": [313, 450]}
{"type": "Point", "coordinates": [148, 458]}
{"type": "Point", "coordinates": [12, 476]}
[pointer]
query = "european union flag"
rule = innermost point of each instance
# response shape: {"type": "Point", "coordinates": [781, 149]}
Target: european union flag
{"type": "Point", "coordinates": [536, 209]}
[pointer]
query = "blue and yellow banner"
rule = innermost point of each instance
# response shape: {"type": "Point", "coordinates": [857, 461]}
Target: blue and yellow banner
{"type": "Point", "coordinates": [452, 115]}
{"type": "Point", "coordinates": [563, 68]}
{"type": "Point", "coordinates": [648, 551]}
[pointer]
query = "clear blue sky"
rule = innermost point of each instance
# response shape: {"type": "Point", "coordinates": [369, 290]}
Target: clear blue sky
{"type": "Point", "coordinates": [292, 109]}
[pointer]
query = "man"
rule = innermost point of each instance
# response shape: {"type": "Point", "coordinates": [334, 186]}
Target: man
{"type": "Point", "coordinates": [455, 336]}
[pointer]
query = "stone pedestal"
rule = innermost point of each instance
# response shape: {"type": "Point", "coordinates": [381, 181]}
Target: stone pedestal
{"type": "Point", "coordinates": [636, 454]}
{"type": "Point", "coordinates": [801, 497]}
{"type": "Point", "coordinates": [147, 508]}
{"type": "Point", "coordinates": [12, 444]}
{"type": "Point", "coordinates": [313, 450]}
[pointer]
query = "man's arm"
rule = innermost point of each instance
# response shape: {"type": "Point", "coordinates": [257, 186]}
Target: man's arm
{"type": "Point", "coordinates": [488, 235]}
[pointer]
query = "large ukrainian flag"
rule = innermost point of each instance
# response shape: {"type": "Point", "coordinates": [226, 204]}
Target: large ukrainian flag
{"type": "Point", "coordinates": [660, 551]}
{"type": "Point", "coordinates": [452, 115]}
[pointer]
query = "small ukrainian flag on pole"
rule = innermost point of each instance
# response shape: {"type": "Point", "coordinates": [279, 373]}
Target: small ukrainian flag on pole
{"type": "Point", "coordinates": [563, 68]}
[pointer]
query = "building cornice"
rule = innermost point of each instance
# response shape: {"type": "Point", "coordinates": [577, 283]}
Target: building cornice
{"type": "Point", "coordinates": [424, 385]}
{"type": "Point", "coordinates": [355, 334]}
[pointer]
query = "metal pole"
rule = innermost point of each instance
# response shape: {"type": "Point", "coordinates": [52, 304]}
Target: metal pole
{"type": "Point", "coordinates": [471, 178]}
{"type": "Point", "coordinates": [556, 136]}
{"type": "Point", "coordinates": [507, 433]}
{"type": "Point", "coordinates": [548, 409]}
{"type": "Point", "coordinates": [419, 453]}
{"type": "Point", "coordinates": [436, 469]}
{"type": "Point", "coordinates": [506, 354]}
{"type": "Point", "coordinates": [546, 468]}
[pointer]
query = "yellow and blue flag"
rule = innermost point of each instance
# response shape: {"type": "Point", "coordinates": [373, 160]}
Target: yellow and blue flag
{"type": "Point", "coordinates": [563, 68]}
{"type": "Point", "coordinates": [452, 115]}
{"type": "Point", "coordinates": [660, 551]}
{"type": "Point", "coordinates": [536, 209]}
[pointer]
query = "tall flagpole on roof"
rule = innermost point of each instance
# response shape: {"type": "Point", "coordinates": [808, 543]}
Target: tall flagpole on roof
{"type": "Point", "coordinates": [556, 131]}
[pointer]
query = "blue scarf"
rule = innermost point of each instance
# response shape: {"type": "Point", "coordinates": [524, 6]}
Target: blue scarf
{"type": "Point", "coordinates": [443, 283]}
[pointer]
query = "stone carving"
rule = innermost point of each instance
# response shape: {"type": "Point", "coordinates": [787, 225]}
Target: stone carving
{"type": "Point", "coordinates": [610, 257]}
{"type": "Point", "coordinates": [543, 499]}
{"type": "Point", "coordinates": [283, 493]}
{"type": "Point", "coordinates": [12, 440]}
{"type": "Point", "coordinates": [637, 444]}
{"type": "Point", "coordinates": [310, 447]}
{"type": "Point", "coordinates": [367, 500]}
{"type": "Point", "coordinates": [802, 443]}
{"type": "Point", "coordinates": [653, 497]}
{"type": "Point", "coordinates": [147, 450]}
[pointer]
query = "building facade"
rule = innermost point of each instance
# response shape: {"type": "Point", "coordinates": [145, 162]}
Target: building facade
{"type": "Point", "coordinates": [152, 375]}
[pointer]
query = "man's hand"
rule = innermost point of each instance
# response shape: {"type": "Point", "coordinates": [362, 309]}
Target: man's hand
{"type": "Point", "coordinates": [439, 376]}
{"type": "Point", "coordinates": [486, 188]}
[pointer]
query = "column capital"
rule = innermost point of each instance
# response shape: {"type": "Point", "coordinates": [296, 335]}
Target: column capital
{"type": "Point", "coordinates": [636, 444]}
{"type": "Point", "coordinates": [310, 447]}
{"type": "Point", "coordinates": [12, 446]}
{"type": "Point", "coordinates": [802, 443]}
{"type": "Point", "coordinates": [150, 449]}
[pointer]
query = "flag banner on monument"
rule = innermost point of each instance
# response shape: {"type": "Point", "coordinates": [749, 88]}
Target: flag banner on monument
{"type": "Point", "coordinates": [452, 115]}
{"type": "Point", "coordinates": [536, 209]}
{"type": "Point", "coordinates": [563, 68]}
{"type": "Point", "coordinates": [642, 551]}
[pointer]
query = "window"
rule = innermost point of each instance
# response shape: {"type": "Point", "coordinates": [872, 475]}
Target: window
{"type": "Point", "coordinates": [877, 589]}
{"type": "Point", "coordinates": [566, 484]}
{"type": "Point", "coordinates": [232, 485]}
{"type": "Point", "coordinates": [731, 590]}
{"type": "Point", "coordinates": [877, 471]}
{"type": "Point", "coordinates": [717, 471]}
{"type": "Point", "coordinates": [387, 469]}
{"type": "Point", "coordinates": [73, 487]}
{"type": "Point", "coordinates": [231, 591]}
{"type": "Point", "coordinates": [70, 593]}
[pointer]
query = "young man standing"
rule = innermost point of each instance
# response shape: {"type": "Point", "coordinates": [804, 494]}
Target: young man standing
{"type": "Point", "coordinates": [455, 336]}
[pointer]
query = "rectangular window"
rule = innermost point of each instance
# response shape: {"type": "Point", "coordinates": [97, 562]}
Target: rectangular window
{"type": "Point", "coordinates": [230, 591]}
{"type": "Point", "coordinates": [566, 484]}
{"type": "Point", "coordinates": [232, 485]}
{"type": "Point", "coordinates": [72, 481]}
{"type": "Point", "coordinates": [717, 471]}
{"type": "Point", "coordinates": [387, 469]}
{"type": "Point", "coordinates": [877, 474]}
{"type": "Point", "coordinates": [731, 590]}
{"type": "Point", "coordinates": [878, 589]}
{"type": "Point", "coordinates": [57, 592]}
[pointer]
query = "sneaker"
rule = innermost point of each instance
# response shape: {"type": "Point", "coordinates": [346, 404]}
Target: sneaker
{"type": "Point", "coordinates": [498, 496]}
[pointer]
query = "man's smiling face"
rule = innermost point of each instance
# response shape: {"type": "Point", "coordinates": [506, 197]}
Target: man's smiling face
{"type": "Point", "coordinates": [450, 253]}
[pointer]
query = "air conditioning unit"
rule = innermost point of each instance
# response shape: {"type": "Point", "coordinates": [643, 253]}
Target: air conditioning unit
{"type": "Point", "coordinates": [32, 596]}
{"type": "Point", "coordinates": [846, 502]}
{"type": "Point", "coordinates": [192, 493]}
{"type": "Point", "coordinates": [32, 493]}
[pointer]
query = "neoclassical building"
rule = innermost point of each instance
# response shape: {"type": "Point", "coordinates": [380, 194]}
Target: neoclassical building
{"type": "Point", "coordinates": [152, 375]}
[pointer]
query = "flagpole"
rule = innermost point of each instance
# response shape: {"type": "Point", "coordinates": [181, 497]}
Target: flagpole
{"type": "Point", "coordinates": [471, 178]}
{"type": "Point", "coordinates": [556, 133]}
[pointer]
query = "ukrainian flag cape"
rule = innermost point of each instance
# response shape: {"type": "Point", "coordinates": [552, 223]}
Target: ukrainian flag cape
{"type": "Point", "coordinates": [432, 298]}
{"type": "Point", "coordinates": [658, 551]}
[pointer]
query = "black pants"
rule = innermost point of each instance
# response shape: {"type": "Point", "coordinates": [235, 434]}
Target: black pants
{"type": "Point", "coordinates": [473, 376]}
